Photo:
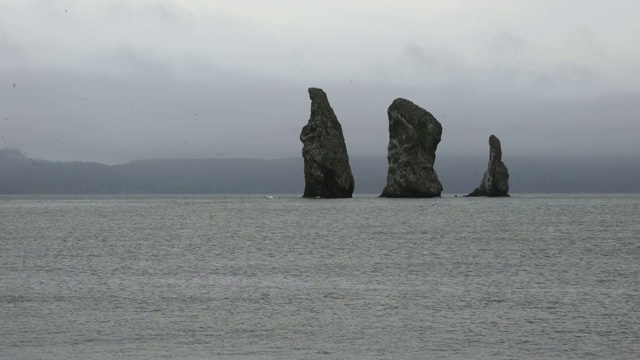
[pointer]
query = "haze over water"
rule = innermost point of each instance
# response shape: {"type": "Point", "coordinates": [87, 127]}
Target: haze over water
{"type": "Point", "coordinates": [214, 277]}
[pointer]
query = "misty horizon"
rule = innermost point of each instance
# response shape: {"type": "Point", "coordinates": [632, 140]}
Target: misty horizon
{"type": "Point", "coordinates": [439, 157]}
{"type": "Point", "coordinates": [20, 174]}
{"type": "Point", "coordinates": [463, 133]}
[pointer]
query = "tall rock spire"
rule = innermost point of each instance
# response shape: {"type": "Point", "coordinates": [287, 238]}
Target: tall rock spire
{"type": "Point", "coordinates": [327, 172]}
{"type": "Point", "coordinates": [414, 135]}
{"type": "Point", "coordinates": [495, 181]}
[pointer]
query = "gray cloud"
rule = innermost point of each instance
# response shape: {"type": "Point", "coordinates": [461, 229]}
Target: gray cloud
{"type": "Point", "coordinates": [196, 78]}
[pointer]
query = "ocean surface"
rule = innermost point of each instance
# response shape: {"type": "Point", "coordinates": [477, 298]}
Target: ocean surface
{"type": "Point", "coordinates": [247, 277]}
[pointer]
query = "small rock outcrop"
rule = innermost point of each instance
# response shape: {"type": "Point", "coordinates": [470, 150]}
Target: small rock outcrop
{"type": "Point", "coordinates": [495, 181]}
{"type": "Point", "coordinates": [327, 173]}
{"type": "Point", "coordinates": [414, 135]}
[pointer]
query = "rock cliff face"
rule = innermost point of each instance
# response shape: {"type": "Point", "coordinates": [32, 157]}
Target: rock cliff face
{"type": "Point", "coordinates": [495, 181]}
{"type": "Point", "coordinates": [327, 172]}
{"type": "Point", "coordinates": [414, 135]}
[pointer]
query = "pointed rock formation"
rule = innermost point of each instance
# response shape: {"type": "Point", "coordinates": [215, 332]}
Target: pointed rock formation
{"type": "Point", "coordinates": [327, 172]}
{"type": "Point", "coordinates": [495, 181]}
{"type": "Point", "coordinates": [414, 135]}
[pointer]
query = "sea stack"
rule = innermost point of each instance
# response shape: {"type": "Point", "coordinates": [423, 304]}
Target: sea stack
{"type": "Point", "coordinates": [414, 135]}
{"type": "Point", "coordinates": [495, 182]}
{"type": "Point", "coordinates": [327, 173]}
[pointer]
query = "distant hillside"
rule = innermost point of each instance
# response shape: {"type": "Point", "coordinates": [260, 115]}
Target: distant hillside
{"type": "Point", "coordinates": [459, 175]}
{"type": "Point", "coordinates": [22, 175]}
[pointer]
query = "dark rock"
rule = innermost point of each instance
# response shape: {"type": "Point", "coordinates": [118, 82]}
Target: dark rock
{"type": "Point", "coordinates": [327, 172]}
{"type": "Point", "coordinates": [495, 181]}
{"type": "Point", "coordinates": [414, 135]}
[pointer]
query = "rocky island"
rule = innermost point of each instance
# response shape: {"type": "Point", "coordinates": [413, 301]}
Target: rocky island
{"type": "Point", "coordinates": [414, 135]}
{"type": "Point", "coordinates": [327, 173]}
{"type": "Point", "coordinates": [495, 182]}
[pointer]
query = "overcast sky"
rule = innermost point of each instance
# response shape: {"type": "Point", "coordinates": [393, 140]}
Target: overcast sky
{"type": "Point", "coordinates": [113, 81]}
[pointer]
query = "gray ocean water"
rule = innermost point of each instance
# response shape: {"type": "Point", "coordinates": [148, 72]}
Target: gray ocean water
{"type": "Point", "coordinates": [214, 277]}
